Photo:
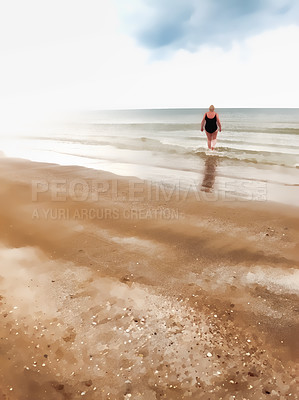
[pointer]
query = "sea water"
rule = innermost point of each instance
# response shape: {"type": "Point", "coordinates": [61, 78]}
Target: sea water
{"type": "Point", "coordinates": [257, 152]}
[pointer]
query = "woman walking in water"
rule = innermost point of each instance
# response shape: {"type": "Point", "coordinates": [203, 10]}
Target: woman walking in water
{"type": "Point", "coordinates": [211, 124]}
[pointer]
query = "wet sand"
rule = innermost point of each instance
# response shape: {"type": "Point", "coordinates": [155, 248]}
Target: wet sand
{"type": "Point", "coordinates": [112, 288]}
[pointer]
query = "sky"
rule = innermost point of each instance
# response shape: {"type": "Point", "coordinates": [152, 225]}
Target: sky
{"type": "Point", "coordinates": [116, 54]}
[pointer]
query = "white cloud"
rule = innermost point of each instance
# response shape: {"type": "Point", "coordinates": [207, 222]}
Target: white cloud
{"type": "Point", "coordinates": [258, 72]}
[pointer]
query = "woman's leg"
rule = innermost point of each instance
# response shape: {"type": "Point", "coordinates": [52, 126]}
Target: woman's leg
{"type": "Point", "coordinates": [213, 139]}
{"type": "Point", "coordinates": [209, 137]}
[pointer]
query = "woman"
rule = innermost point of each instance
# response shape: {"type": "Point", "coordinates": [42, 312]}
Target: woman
{"type": "Point", "coordinates": [211, 123]}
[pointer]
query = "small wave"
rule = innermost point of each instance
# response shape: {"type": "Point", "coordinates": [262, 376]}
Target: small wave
{"type": "Point", "coordinates": [127, 143]}
{"type": "Point", "coordinates": [187, 126]}
{"type": "Point", "coordinates": [149, 126]}
{"type": "Point", "coordinates": [248, 156]}
{"type": "Point", "coordinates": [162, 146]}
{"type": "Point", "coordinates": [269, 130]}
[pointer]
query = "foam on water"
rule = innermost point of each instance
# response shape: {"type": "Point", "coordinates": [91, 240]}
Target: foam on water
{"type": "Point", "coordinates": [275, 279]}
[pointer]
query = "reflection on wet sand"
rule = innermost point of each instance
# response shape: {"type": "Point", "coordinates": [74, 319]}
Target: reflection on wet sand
{"type": "Point", "coordinates": [209, 174]}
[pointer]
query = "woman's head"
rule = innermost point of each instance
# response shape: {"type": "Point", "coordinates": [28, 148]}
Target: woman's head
{"type": "Point", "coordinates": [212, 108]}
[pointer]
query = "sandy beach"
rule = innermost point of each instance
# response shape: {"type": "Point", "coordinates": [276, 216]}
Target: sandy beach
{"type": "Point", "coordinates": [114, 288]}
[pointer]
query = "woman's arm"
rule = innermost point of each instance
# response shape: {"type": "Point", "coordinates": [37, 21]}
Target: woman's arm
{"type": "Point", "coordinates": [203, 122]}
{"type": "Point", "coordinates": [218, 122]}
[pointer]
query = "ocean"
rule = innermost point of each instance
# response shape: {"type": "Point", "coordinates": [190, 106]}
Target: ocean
{"type": "Point", "coordinates": [256, 157]}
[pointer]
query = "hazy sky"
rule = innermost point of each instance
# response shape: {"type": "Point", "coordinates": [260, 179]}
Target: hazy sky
{"type": "Point", "coordinates": [66, 54]}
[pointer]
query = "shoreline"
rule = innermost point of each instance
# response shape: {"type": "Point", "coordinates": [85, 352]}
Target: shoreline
{"type": "Point", "coordinates": [245, 186]}
{"type": "Point", "coordinates": [139, 292]}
